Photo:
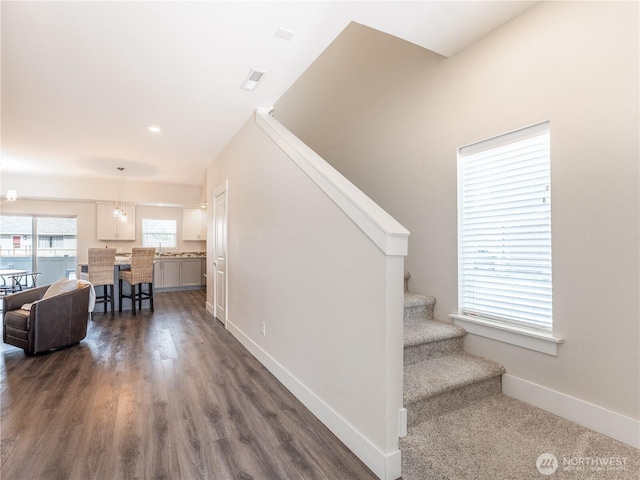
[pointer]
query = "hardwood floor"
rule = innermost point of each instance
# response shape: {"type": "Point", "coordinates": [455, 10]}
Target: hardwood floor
{"type": "Point", "coordinates": [170, 395]}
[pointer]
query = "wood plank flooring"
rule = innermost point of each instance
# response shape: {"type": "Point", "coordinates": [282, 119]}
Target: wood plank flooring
{"type": "Point", "coordinates": [170, 395]}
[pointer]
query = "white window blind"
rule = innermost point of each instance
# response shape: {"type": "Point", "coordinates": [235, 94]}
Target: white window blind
{"type": "Point", "coordinates": [505, 228]}
{"type": "Point", "coordinates": [159, 233]}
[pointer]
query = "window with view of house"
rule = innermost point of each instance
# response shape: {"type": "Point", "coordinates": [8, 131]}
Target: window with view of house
{"type": "Point", "coordinates": [504, 215]}
{"type": "Point", "coordinates": [43, 244]}
{"type": "Point", "coordinates": [50, 241]}
{"type": "Point", "coordinates": [159, 233]}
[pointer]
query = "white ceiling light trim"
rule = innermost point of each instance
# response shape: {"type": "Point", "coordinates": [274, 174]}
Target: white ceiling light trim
{"type": "Point", "coordinates": [254, 77]}
{"type": "Point", "coordinates": [154, 128]}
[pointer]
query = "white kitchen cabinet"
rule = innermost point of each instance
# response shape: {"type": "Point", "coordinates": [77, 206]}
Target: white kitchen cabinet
{"type": "Point", "coordinates": [111, 228]}
{"type": "Point", "coordinates": [166, 273]}
{"type": "Point", "coordinates": [194, 224]}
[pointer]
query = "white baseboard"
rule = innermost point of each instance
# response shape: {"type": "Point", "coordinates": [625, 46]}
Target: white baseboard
{"type": "Point", "coordinates": [209, 307]}
{"type": "Point", "coordinates": [611, 424]}
{"type": "Point", "coordinates": [386, 467]}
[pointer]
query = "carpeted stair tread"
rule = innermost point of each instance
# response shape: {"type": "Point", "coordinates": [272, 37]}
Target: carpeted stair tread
{"type": "Point", "coordinates": [500, 438]}
{"type": "Point", "coordinates": [438, 375]}
{"type": "Point", "coordinates": [418, 307]}
{"type": "Point", "coordinates": [417, 299]}
{"type": "Point", "coordinates": [430, 331]}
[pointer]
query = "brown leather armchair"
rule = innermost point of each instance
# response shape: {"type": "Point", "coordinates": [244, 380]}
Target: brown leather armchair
{"type": "Point", "coordinates": [53, 322]}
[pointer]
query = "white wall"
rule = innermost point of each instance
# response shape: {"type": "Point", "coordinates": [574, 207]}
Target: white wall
{"type": "Point", "coordinates": [298, 264]}
{"type": "Point", "coordinates": [390, 116]}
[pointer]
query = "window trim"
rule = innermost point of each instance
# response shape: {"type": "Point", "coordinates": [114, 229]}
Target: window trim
{"type": "Point", "coordinates": [538, 338]}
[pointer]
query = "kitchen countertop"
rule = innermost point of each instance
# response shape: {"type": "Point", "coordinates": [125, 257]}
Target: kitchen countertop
{"type": "Point", "coordinates": [181, 254]}
{"type": "Point", "coordinates": [125, 258]}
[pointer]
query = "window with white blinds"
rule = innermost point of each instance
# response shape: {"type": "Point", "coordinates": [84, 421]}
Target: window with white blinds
{"type": "Point", "coordinates": [159, 233]}
{"type": "Point", "coordinates": [505, 228]}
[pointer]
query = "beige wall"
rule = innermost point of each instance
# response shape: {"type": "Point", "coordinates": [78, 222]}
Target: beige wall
{"type": "Point", "coordinates": [297, 263]}
{"type": "Point", "coordinates": [390, 116]}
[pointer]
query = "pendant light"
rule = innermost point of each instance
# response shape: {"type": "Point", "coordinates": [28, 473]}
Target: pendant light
{"type": "Point", "coordinates": [119, 211]}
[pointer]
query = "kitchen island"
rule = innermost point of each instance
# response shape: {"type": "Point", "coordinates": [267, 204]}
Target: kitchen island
{"type": "Point", "coordinates": [171, 272]}
{"type": "Point", "coordinates": [179, 272]}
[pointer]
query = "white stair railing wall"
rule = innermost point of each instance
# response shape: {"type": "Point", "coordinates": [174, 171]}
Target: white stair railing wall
{"type": "Point", "coordinates": [321, 265]}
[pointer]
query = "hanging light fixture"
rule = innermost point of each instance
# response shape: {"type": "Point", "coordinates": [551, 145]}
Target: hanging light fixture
{"type": "Point", "coordinates": [12, 195]}
{"type": "Point", "coordinates": [118, 210]}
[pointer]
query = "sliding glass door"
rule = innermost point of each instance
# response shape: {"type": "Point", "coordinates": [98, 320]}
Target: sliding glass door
{"type": "Point", "coordinates": [39, 244]}
{"type": "Point", "coordinates": [55, 252]}
{"type": "Point", "coordinates": [16, 243]}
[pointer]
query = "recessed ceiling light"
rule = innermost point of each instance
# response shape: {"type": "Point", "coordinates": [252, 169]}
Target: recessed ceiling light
{"type": "Point", "coordinates": [285, 33]}
{"type": "Point", "coordinates": [255, 76]}
{"type": "Point", "coordinates": [154, 128]}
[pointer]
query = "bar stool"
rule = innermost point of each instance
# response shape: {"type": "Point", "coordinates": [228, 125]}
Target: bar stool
{"type": "Point", "coordinates": [141, 272]}
{"type": "Point", "coordinates": [100, 273]}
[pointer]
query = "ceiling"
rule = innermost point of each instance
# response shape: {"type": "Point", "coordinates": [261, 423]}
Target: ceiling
{"type": "Point", "coordinates": [82, 81]}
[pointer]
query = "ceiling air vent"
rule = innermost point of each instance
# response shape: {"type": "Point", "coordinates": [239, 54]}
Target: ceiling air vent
{"type": "Point", "coordinates": [253, 79]}
{"type": "Point", "coordinates": [284, 33]}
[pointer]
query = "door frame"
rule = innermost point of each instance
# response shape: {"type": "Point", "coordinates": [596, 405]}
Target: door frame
{"type": "Point", "coordinates": [223, 188]}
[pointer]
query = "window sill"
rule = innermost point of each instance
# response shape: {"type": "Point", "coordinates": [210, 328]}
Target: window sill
{"type": "Point", "coordinates": [522, 337]}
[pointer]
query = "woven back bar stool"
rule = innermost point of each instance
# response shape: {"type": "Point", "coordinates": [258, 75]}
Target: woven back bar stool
{"type": "Point", "coordinates": [100, 274]}
{"type": "Point", "coordinates": [141, 273]}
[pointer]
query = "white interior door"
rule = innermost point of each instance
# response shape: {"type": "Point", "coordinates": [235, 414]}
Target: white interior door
{"type": "Point", "coordinates": [220, 253]}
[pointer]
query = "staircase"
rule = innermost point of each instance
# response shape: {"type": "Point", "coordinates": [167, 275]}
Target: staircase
{"type": "Point", "coordinates": [439, 377]}
{"type": "Point", "coordinates": [460, 425]}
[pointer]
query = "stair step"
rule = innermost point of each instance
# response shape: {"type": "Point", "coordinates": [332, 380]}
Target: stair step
{"type": "Point", "coordinates": [438, 375]}
{"type": "Point", "coordinates": [431, 331]}
{"type": "Point", "coordinates": [430, 339]}
{"type": "Point", "coordinates": [445, 383]}
{"type": "Point", "coordinates": [418, 307]}
{"type": "Point", "coordinates": [431, 407]}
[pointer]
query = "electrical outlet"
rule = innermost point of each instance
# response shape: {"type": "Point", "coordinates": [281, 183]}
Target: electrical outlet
{"type": "Point", "coordinates": [263, 328]}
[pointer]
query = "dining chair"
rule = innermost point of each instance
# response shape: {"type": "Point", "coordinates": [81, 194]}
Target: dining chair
{"type": "Point", "coordinates": [100, 272]}
{"type": "Point", "coordinates": [141, 273]}
{"type": "Point", "coordinates": [29, 280]}
{"type": "Point", "coordinates": [15, 282]}
{"type": "Point", "coordinates": [9, 285]}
